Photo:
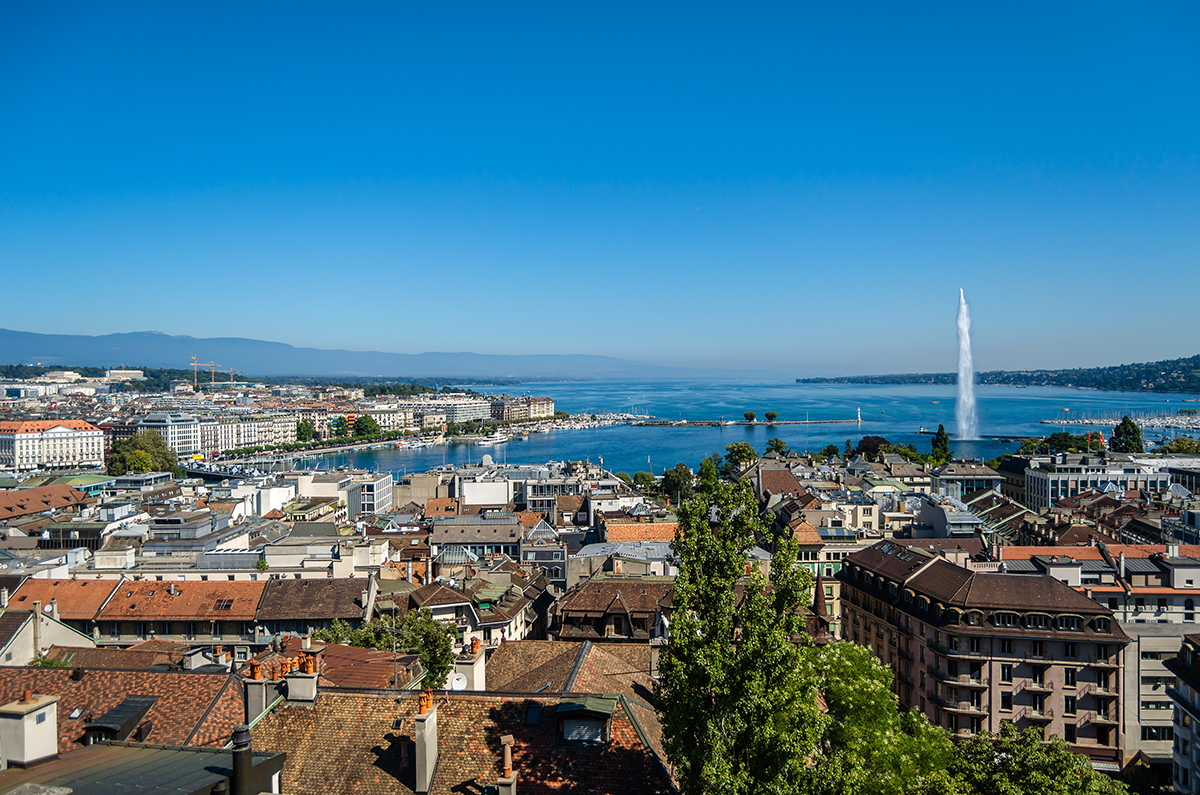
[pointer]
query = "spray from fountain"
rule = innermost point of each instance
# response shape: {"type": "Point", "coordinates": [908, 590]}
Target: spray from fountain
{"type": "Point", "coordinates": [964, 407]}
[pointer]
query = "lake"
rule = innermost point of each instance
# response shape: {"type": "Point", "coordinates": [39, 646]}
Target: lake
{"type": "Point", "coordinates": [896, 412]}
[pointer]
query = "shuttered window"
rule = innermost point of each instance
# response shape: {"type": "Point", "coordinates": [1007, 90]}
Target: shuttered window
{"type": "Point", "coordinates": [583, 730]}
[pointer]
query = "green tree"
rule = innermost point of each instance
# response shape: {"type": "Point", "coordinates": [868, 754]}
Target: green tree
{"type": "Point", "coordinates": [777, 445]}
{"type": "Point", "coordinates": [1127, 438]}
{"type": "Point", "coordinates": [737, 699]}
{"type": "Point", "coordinates": [1018, 762]}
{"type": "Point", "coordinates": [750, 416]}
{"type": "Point", "coordinates": [940, 452]}
{"type": "Point", "coordinates": [677, 482]}
{"type": "Point", "coordinates": [870, 446]}
{"type": "Point", "coordinates": [709, 474]}
{"type": "Point", "coordinates": [1181, 444]}
{"type": "Point", "coordinates": [771, 416]}
{"type": "Point", "coordinates": [366, 425]}
{"type": "Point", "coordinates": [140, 461]}
{"type": "Point", "coordinates": [643, 480]}
{"type": "Point", "coordinates": [162, 458]}
{"type": "Point", "coordinates": [849, 452]}
{"type": "Point", "coordinates": [262, 564]}
{"type": "Point", "coordinates": [423, 634]}
{"type": "Point", "coordinates": [827, 452]}
{"type": "Point", "coordinates": [624, 478]}
{"type": "Point", "coordinates": [305, 431]}
{"type": "Point", "coordinates": [337, 428]}
{"type": "Point", "coordinates": [737, 455]}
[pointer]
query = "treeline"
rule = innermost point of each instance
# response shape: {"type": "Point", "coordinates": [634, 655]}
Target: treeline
{"type": "Point", "coordinates": [1171, 375]}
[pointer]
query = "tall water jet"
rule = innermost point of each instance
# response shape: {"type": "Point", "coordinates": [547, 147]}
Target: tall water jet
{"type": "Point", "coordinates": [964, 407]}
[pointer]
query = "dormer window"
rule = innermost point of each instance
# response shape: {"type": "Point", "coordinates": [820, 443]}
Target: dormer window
{"type": "Point", "coordinates": [1036, 621]}
{"type": "Point", "coordinates": [974, 618]}
{"type": "Point", "coordinates": [1102, 625]}
{"type": "Point", "coordinates": [1070, 623]}
{"type": "Point", "coordinates": [586, 721]}
{"type": "Point", "coordinates": [1004, 619]}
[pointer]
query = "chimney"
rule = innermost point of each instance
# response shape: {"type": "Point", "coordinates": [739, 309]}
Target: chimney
{"type": "Point", "coordinates": [471, 665]}
{"type": "Point", "coordinates": [1121, 565]}
{"type": "Point", "coordinates": [656, 646]}
{"type": "Point", "coordinates": [29, 729]}
{"type": "Point", "coordinates": [302, 680]}
{"type": "Point", "coordinates": [54, 608]}
{"type": "Point", "coordinates": [242, 780]}
{"type": "Point", "coordinates": [508, 784]}
{"type": "Point", "coordinates": [409, 577]}
{"type": "Point", "coordinates": [37, 628]}
{"type": "Point", "coordinates": [426, 737]}
{"type": "Point", "coordinates": [3, 598]}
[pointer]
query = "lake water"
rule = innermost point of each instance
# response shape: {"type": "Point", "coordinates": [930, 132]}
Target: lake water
{"type": "Point", "coordinates": [895, 412]}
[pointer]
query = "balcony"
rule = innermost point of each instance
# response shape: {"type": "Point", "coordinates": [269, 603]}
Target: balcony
{"type": "Point", "coordinates": [1104, 692]}
{"type": "Point", "coordinates": [1099, 662]}
{"type": "Point", "coordinates": [1104, 719]}
{"type": "Point", "coordinates": [1046, 714]}
{"type": "Point", "coordinates": [1037, 687]}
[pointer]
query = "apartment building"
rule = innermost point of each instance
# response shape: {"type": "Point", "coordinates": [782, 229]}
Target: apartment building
{"type": "Point", "coordinates": [1185, 698]}
{"type": "Point", "coordinates": [971, 649]}
{"type": "Point", "coordinates": [180, 431]}
{"type": "Point", "coordinates": [1066, 475]}
{"type": "Point", "coordinates": [50, 444]}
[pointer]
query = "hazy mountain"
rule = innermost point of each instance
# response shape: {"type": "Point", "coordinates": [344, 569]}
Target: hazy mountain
{"type": "Point", "coordinates": [258, 357]}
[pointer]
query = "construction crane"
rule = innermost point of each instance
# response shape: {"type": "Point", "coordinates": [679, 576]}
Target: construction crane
{"type": "Point", "coordinates": [196, 372]}
{"type": "Point", "coordinates": [233, 372]}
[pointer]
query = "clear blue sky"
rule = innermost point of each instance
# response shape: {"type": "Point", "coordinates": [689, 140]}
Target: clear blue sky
{"type": "Point", "coordinates": [803, 189]}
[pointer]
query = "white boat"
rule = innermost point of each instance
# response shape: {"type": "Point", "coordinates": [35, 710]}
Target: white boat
{"type": "Point", "coordinates": [496, 438]}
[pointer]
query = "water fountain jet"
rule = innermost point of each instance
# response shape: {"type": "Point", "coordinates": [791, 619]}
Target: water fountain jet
{"type": "Point", "coordinates": [964, 407]}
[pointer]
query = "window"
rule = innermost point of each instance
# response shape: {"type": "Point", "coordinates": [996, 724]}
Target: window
{"type": "Point", "coordinates": [1152, 655]}
{"type": "Point", "coordinates": [1156, 705]}
{"type": "Point", "coordinates": [1158, 733]}
{"type": "Point", "coordinates": [1070, 623]}
{"type": "Point", "coordinates": [1162, 603]}
{"type": "Point", "coordinates": [1102, 625]}
{"type": "Point", "coordinates": [1069, 732]}
{"type": "Point", "coordinates": [974, 645]}
{"type": "Point", "coordinates": [1038, 677]}
{"type": "Point", "coordinates": [1004, 619]}
{"type": "Point", "coordinates": [1006, 701]}
{"type": "Point", "coordinates": [1069, 705]}
{"type": "Point", "coordinates": [1006, 647]}
{"type": "Point", "coordinates": [1006, 672]}
{"type": "Point", "coordinates": [1069, 650]}
{"type": "Point", "coordinates": [1112, 603]}
{"type": "Point", "coordinates": [1037, 622]}
{"type": "Point", "coordinates": [223, 604]}
{"type": "Point", "coordinates": [1037, 648]}
{"type": "Point", "coordinates": [583, 730]}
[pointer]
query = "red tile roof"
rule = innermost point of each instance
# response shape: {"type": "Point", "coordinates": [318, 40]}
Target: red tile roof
{"type": "Point", "coordinates": [361, 743]}
{"type": "Point", "coordinates": [641, 531]}
{"type": "Point", "coordinates": [25, 502]}
{"type": "Point", "coordinates": [192, 708]}
{"type": "Point", "coordinates": [78, 600]}
{"type": "Point", "coordinates": [208, 601]}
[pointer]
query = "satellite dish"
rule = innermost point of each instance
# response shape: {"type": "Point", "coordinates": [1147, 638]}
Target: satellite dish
{"type": "Point", "coordinates": [47, 608]}
{"type": "Point", "coordinates": [458, 682]}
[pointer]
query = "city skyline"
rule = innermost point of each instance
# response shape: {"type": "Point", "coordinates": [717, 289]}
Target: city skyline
{"type": "Point", "coordinates": [794, 190]}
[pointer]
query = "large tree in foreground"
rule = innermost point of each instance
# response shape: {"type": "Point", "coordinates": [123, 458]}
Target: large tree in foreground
{"type": "Point", "coordinates": [737, 698]}
{"type": "Point", "coordinates": [1127, 438]}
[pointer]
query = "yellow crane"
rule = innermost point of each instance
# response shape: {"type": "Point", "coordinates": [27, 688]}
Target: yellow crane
{"type": "Point", "coordinates": [196, 365]}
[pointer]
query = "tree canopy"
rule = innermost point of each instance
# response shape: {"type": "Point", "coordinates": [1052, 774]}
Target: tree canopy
{"type": "Point", "coordinates": [366, 425]}
{"type": "Point", "coordinates": [677, 482]}
{"type": "Point", "coordinates": [305, 431]}
{"type": "Point", "coordinates": [417, 633]}
{"type": "Point", "coordinates": [1127, 437]}
{"type": "Point", "coordinates": [643, 480]}
{"type": "Point", "coordinates": [777, 445]}
{"type": "Point", "coordinates": [737, 455]}
{"type": "Point", "coordinates": [142, 452]}
{"type": "Point", "coordinates": [1062, 442]}
{"type": "Point", "coordinates": [771, 415]}
{"type": "Point", "coordinates": [940, 452]}
{"type": "Point", "coordinates": [750, 416]}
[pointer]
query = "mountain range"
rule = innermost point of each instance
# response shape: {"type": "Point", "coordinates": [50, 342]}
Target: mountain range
{"type": "Point", "coordinates": [259, 357]}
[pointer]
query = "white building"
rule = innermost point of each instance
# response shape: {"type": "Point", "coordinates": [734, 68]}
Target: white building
{"type": "Point", "coordinates": [50, 444]}
{"type": "Point", "coordinates": [181, 432]}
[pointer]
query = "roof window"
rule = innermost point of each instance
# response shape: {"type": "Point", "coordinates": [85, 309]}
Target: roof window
{"type": "Point", "coordinates": [223, 604]}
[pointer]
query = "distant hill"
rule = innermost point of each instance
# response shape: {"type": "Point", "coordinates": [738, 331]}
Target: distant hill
{"type": "Point", "coordinates": [257, 357]}
{"type": "Point", "coordinates": [1172, 375]}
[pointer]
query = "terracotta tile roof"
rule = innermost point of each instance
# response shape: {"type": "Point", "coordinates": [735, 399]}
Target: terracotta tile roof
{"type": "Point", "coordinates": [25, 502]}
{"type": "Point", "coordinates": [1093, 553]}
{"type": "Point", "coordinates": [312, 599]}
{"type": "Point", "coordinates": [601, 596]}
{"type": "Point", "coordinates": [641, 531]}
{"type": "Point", "coordinates": [805, 534]}
{"type": "Point", "coordinates": [438, 594]}
{"type": "Point", "coordinates": [349, 666]}
{"type": "Point", "coordinates": [347, 743]}
{"type": "Point", "coordinates": [527, 666]}
{"type": "Point", "coordinates": [111, 659]}
{"type": "Point", "coordinates": [38, 426]}
{"type": "Point", "coordinates": [207, 601]}
{"type": "Point", "coordinates": [192, 708]}
{"type": "Point", "coordinates": [441, 506]}
{"type": "Point", "coordinates": [780, 481]}
{"type": "Point", "coordinates": [569, 503]}
{"type": "Point", "coordinates": [78, 600]}
{"type": "Point", "coordinates": [529, 519]}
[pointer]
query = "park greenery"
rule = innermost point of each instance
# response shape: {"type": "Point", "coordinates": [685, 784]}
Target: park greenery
{"type": "Point", "coordinates": [1127, 437]}
{"type": "Point", "coordinates": [142, 452]}
{"type": "Point", "coordinates": [418, 632]}
{"type": "Point", "coordinates": [749, 704]}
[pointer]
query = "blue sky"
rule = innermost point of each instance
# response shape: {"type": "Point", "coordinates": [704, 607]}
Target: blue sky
{"type": "Point", "coordinates": [796, 188]}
